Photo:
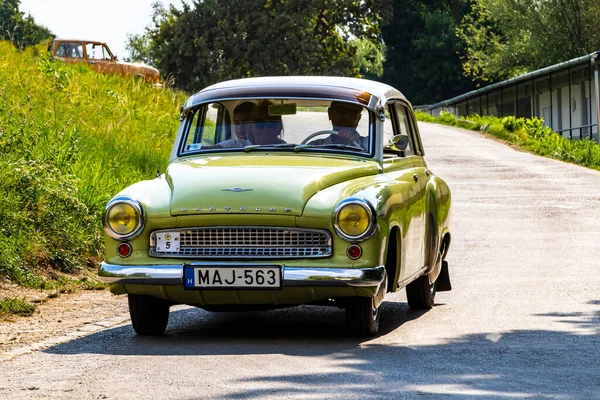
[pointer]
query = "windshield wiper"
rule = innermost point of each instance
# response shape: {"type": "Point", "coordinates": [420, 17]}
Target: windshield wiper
{"type": "Point", "coordinates": [300, 147]}
{"type": "Point", "coordinates": [340, 146]}
{"type": "Point", "coordinates": [251, 147]}
{"type": "Point", "coordinates": [282, 145]}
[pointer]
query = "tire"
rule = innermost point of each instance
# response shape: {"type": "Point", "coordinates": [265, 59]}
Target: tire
{"type": "Point", "coordinates": [362, 318]}
{"type": "Point", "coordinates": [421, 294]}
{"type": "Point", "coordinates": [149, 315]}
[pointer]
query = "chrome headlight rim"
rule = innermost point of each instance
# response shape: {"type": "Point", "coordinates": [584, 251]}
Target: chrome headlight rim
{"type": "Point", "coordinates": [372, 220]}
{"type": "Point", "coordinates": [139, 223]}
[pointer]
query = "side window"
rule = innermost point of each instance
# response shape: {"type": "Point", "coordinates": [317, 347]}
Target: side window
{"type": "Point", "coordinates": [107, 56]}
{"type": "Point", "coordinates": [401, 123]}
{"type": "Point", "coordinates": [97, 52]}
{"type": "Point", "coordinates": [72, 50]}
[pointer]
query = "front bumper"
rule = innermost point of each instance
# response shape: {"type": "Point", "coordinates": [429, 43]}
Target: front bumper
{"type": "Point", "coordinates": [172, 274]}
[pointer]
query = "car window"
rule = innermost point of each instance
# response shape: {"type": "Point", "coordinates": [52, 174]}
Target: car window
{"type": "Point", "coordinates": [97, 52]}
{"type": "Point", "coordinates": [71, 50]}
{"type": "Point", "coordinates": [283, 124]}
{"type": "Point", "coordinates": [401, 125]}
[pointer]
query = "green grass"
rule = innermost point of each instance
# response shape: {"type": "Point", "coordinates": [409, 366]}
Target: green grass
{"type": "Point", "coordinates": [69, 140]}
{"type": "Point", "coordinates": [15, 306]}
{"type": "Point", "coordinates": [529, 134]}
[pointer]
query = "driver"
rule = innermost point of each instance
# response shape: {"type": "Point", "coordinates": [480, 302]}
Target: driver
{"type": "Point", "coordinates": [344, 118]}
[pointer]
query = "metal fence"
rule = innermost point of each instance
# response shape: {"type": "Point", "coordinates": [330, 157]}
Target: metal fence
{"type": "Point", "coordinates": [565, 96]}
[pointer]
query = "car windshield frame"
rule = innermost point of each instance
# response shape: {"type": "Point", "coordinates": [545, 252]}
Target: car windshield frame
{"type": "Point", "coordinates": [187, 121]}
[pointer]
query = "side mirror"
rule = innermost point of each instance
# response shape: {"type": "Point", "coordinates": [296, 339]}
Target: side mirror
{"type": "Point", "coordinates": [399, 142]}
{"type": "Point", "coordinates": [116, 58]}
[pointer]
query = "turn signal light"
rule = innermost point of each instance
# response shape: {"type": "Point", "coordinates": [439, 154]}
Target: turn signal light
{"type": "Point", "coordinates": [124, 249]}
{"type": "Point", "coordinates": [354, 251]}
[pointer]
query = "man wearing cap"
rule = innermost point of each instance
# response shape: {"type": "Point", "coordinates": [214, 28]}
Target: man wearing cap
{"type": "Point", "coordinates": [344, 118]}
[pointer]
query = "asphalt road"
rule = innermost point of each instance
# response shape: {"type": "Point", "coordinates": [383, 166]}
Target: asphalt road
{"type": "Point", "coordinates": [523, 320]}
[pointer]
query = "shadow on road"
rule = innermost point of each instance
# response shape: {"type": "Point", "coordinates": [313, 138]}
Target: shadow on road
{"type": "Point", "coordinates": [303, 330]}
{"type": "Point", "coordinates": [514, 364]}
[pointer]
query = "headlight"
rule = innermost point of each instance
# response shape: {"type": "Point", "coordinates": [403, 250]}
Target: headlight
{"type": "Point", "coordinates": [354, 220]}
{"type": "Point", "coordinates": [123, 218]}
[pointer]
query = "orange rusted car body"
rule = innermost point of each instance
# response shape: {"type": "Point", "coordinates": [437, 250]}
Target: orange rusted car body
{"type": "Point", "coordinates": [99, 57]}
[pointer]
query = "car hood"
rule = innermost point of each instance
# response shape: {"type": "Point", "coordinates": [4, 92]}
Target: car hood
{"type": "Point", "coordinates": [256, 184]}
{"type": "Point", "coordinates": [138, 66]}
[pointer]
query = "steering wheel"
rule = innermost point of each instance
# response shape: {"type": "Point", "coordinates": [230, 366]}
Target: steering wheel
{"type": "Point", "coordinates": [319, 133]}
{"type": "Point", "coordinates": [331, 132]}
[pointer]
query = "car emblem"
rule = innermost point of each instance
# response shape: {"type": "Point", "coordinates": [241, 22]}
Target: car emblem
{"type": "Point", "coordinates": [237, 189]}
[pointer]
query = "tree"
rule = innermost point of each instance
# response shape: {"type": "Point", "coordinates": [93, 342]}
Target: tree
{"type": "Point", "coordinates": [506, 38]}
{"type": "Point", "coordinates": [18, 28]}
{"type": "Point", "coordinates": [423, 50]}
{"type": "Point", "coordinates": [212, 40]}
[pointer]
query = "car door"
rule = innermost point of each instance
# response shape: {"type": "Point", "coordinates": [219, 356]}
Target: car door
{"type": "Point", "coordinates": [100, 58]}
{"type": "Point", "coordinates": [410, 173]}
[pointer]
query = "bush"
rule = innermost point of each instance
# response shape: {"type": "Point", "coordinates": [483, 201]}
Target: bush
{"type": "Point", "coordinates": [69, 140]}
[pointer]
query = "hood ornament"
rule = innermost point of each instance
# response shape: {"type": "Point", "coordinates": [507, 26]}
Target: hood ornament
{"type": "Point", "coordinates": [237, 189]}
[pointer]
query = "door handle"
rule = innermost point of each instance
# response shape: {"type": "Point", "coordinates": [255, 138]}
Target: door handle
{"type": "Point", "coordinates": [416, 177]}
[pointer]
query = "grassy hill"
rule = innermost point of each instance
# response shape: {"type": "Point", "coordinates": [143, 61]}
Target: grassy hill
{"type": "Point", "coordinates": [69, 140]}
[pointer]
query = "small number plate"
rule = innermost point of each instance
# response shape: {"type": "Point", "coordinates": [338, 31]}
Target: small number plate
{"type": "Point", "coordinates": [167, 242]}
{"type": "Point", "coordinates": [232, 277]}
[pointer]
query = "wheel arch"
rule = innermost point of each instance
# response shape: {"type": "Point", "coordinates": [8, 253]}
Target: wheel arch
{"type": "Point", "coordinates": [393, 263]}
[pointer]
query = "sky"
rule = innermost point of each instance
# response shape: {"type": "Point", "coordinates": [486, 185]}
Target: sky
{"type": "Point", "coordinates": [107, 21]}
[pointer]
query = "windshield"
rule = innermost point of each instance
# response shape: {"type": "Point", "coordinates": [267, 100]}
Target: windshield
{"type": "Point", "coordinates": [277, 124]}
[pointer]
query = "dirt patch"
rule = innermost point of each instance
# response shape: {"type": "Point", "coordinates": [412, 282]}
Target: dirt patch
{"type": "Point", "coordinates": [55, 316]}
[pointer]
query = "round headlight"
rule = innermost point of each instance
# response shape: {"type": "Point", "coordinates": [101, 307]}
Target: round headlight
{"type": "Point", "coordinates": [353, 220]}
{"type": "Point", "coordinates": [123, 218]}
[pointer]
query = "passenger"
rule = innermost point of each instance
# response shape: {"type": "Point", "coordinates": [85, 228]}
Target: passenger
{"type": "Point", "coordinates": [242, 120]}
{"type": "Point", "coordinates": [344, 119]}
{"type": "Point", "coordinates": [268, 128]}
{"type": "Point", "coordinates": [243, 127]}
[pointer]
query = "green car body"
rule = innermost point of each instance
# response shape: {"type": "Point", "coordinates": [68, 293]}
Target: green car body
{"type": "Point", "coordinates": [298, 191]}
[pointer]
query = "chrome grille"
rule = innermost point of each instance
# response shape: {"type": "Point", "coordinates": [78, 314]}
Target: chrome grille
{"type": "Point", "coordinates": [249, 242]}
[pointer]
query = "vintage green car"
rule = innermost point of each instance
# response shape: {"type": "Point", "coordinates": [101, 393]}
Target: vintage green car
{"type": "Point", "coordinates": [283, 191]}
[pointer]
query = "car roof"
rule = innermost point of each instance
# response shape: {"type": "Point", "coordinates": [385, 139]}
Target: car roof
{"type": "Point", "coordinates": [78, 40]}
{"type": "Point", "coordinates": [325, 87]}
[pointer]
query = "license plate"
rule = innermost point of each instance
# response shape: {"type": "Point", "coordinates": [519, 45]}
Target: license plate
{"type": "Point", "coordinates": [232, 277]}
{"type": "Point", "coordinates": [167, 242]}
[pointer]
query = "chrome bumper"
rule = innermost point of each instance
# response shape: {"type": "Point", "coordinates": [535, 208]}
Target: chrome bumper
{"type": "Point", "coordinates": [292, 276]}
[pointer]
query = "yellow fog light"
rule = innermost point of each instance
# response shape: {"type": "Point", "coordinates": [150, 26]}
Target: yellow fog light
{"type": "Point", "coordinates": [353, 220]}
{"type": "Point", "coordinates": [123, 218]}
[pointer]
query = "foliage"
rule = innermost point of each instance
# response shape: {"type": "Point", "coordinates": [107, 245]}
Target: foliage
{"type": "Point", "coordinates": [212, 41]}
{"type": "Point", "coordinates": [18, 28]}
{"type": "Point", "coordinates": [368, 57]}
{"type": "Point", "coordinates": [15, 306]}
{"type": "Point", "coordinates": [423, 51]}
{"type": "Point", "coordinates": [530, 134]}
{"type": "Point", "coordinates": [69, 140]}
{"type": "Point", "coordinates": [505, 38]}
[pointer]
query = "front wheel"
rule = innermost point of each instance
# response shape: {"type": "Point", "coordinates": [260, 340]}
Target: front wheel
{"type": "Point", "coordinates": [420, 293]}
{"type": "Point", "coordinates": [149, 315]}
{"type": "Point", "coordinates": [362, 317]}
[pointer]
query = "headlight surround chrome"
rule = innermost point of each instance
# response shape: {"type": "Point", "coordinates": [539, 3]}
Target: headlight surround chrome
{"type": "Point", "coordinates": [123, 218]}
{"type": "Point", "coordinates": [354, 208]}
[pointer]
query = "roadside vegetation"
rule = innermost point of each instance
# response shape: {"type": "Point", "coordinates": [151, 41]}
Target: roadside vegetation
{"type": "Point", "coordinates": [529, 134]}
{"type": "Point", "coordinates": [69, 140]}
{"type": "Point", "coordinates": [15, 306]}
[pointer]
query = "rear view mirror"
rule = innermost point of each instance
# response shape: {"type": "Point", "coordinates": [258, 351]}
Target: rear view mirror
{"type": "Point", "coordinates": [399, 142]}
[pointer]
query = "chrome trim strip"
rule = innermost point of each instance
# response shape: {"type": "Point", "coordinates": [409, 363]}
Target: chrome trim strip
{"type": "Point", "coordinates": [292, 276]}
